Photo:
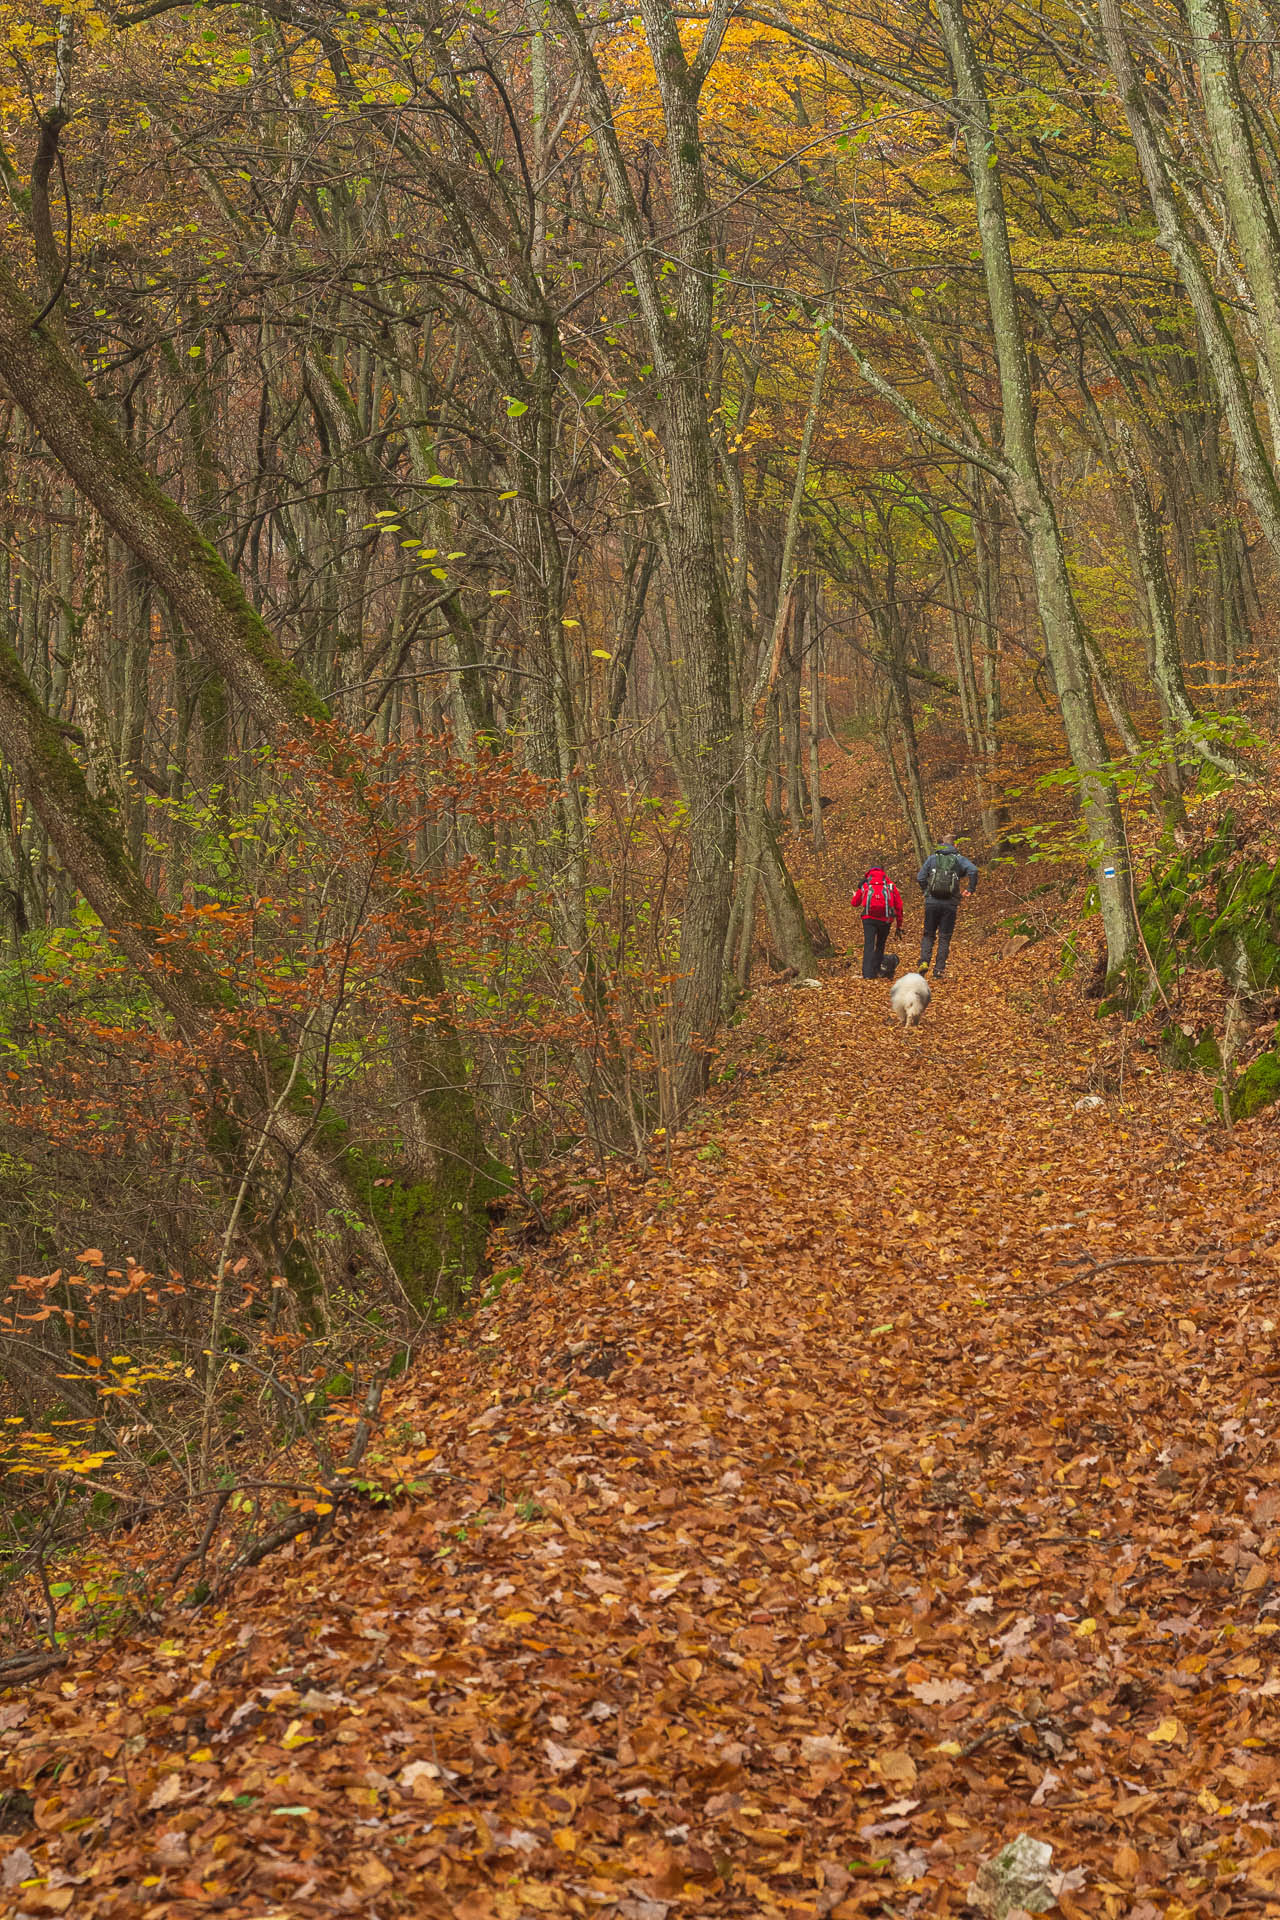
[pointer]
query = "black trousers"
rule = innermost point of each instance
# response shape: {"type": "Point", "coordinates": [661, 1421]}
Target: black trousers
{"type": "Point", "coordinates": [939, 922]}
{"type": "Point", "coordinates": [874, 935]}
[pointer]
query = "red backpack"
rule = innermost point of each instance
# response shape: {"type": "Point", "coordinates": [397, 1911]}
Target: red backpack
{"type": "Point", "coordinates": [874, 894]}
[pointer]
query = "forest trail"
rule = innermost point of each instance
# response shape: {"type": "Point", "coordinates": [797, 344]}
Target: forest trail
{"type": "Point", "coordinates": [788, 1544]}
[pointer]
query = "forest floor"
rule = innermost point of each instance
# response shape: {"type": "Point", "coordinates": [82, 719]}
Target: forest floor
{"type": "Point", "coordinates": [893, 1473]}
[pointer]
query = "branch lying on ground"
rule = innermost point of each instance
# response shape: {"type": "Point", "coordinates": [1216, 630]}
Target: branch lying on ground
{"type": "Point", "coordinates": [336, 1485]}
{"type": "Point", "coordinates": [1088, 1269]}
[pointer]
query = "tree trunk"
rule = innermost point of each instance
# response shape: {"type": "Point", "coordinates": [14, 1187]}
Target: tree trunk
{"type": "Point", "coordinates": [679, 335]}
{"type": "Point", "coordinates": [791, 932]}
{"type": "Point", "coordinates": [910, 787]}
{"type": "Point", "coordinates": [790, 929]}
{"type": "Point", "coordinates": [1060, 618]}
{"type": "Point", "coordinates": [791, 683]}
{"type": "Point", "coordinates": [638, 574]}
{"type": "Point", "coordinates": [1256, 473]}
{"type": "Point", "coordinates": [815, 715]}
{"type": "Point", "coordinates": [1248, 202]}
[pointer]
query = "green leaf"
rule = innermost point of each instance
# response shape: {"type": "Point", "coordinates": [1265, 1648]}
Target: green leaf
{"type": "Point", "coordinates": [515, 408]}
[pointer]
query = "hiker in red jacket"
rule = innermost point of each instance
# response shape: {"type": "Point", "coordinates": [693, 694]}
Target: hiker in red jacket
{"type": "Point", "coordinates": [879, 903]}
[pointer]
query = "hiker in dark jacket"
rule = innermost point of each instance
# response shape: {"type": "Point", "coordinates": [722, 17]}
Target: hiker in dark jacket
{"type": "Point", "coordinates": [880, 904]}
{"type": "Point", "coordinates": [939, 881]}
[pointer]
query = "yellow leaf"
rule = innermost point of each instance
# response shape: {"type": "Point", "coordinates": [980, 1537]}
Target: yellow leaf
{"type": "Point", "coordinates": [565, 1839]}
{"type": "Point", "coordinates": [1086, 1629]}
{"type": "Point", "coordinates": [1170, 1733]}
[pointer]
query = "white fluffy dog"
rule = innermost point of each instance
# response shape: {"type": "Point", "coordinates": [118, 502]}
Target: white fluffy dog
{"type": "Point", "coordinates": [909, 998]}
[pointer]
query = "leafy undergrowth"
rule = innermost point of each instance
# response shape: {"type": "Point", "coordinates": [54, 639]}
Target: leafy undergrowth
{"type": "Point", "coordinates": [896, 1475]}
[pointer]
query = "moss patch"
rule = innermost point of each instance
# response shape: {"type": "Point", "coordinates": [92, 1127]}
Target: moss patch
{"type": "Point", "coordinates": [1257, 1087]}
{"type": "Point", "coordinates": [1216, 906]}
{"type": "Point", "coordinates": [1208, 907]}
{"type": "Point", "coordinates": [435, 1230]}
{"type": "Point", "coordinates": [1199, 1052]}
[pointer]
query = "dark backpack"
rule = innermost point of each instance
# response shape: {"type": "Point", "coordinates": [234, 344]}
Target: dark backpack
{"type": "Point", "coordinates": [944, 879]}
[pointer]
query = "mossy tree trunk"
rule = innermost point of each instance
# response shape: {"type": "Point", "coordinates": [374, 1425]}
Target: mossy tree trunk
{"type": "Point", "coordinates": [1257, 476]}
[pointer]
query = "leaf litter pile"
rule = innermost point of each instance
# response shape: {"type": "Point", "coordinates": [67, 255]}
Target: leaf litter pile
{"type": "Point", "coordinates": [895, 1478]}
